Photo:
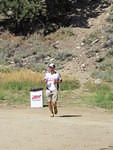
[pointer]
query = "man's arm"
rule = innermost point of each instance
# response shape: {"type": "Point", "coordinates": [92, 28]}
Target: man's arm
{"type": "Point", "coordinates": [59, 80]}
{"type": "Point", "coordinates": [45, 80]}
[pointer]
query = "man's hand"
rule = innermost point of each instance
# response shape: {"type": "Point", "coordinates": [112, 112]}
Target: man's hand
{"type": "Point", "coordinates": [55, 81]}
{"type": "Point", "coordinates": [45, 81]}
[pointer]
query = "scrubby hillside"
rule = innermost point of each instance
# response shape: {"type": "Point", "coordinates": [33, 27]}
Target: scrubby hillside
{"type": "Point", "coordinates": [84, 51]}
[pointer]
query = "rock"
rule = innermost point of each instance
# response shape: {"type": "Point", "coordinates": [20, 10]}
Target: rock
{"type": "Point", "coordinates": [111, 52]}
{"type": "Point", "coordinates": [55, 45]}
{"type": "Point", "coordinates": [9, 13]}
{"type": "Point", "coordinates": [82, 44]}
{"type": "Point", "coordinates": [90, 23]}
{"type": "Point", "coordinates": [52, 59]}
{"type": "Point", "coordinates": [47, 58]}
{"type": "Point", "coordinates": [95, 41]}
{"type": "Point", "coordinates": [11, 62]}
{"type": "Point", "coordinates": [83, 67]}
{"type": "Point", "coordinates": [57, 42]}
{"type": "Point", "coordinates": [78, 47]}
{"type": "Point", "coordinates": [99, 58]}
{"type": "Point", "coordinates": [98, 81]}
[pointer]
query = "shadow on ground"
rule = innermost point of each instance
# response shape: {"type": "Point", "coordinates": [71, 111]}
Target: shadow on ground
{"type": "Point", "coordinates": [63, 116]}
{"type": "Point", "coordinates": [109, 148]}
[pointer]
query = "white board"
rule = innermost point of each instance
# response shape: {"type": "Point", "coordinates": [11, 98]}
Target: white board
{"type": "Point", "coordinates": [36, 98]}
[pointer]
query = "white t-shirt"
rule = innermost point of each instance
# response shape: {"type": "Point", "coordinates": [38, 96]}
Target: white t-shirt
{"type": "Point", "coordinates": [50, 80]}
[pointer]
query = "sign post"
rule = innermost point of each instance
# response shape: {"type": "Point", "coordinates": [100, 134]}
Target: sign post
{"type": "Point", "coordinates": [36, 97]}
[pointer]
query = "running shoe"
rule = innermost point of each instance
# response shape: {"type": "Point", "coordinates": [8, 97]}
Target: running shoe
{"type": "Point", "coordinates": [52, 115]}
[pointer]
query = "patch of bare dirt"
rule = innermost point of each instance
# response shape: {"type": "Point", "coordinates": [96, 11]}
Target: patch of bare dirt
{"type": "Point", "coordinates": [71, 129]}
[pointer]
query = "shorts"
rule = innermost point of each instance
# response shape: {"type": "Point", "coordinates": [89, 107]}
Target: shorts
{"type": "Point", "coordinates": [52, 96]}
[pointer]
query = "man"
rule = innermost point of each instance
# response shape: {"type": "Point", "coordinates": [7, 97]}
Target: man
{"type": "Point", "coordinates": [52, 79]}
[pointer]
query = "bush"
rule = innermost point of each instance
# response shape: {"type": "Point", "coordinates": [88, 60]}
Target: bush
{"type": "Point", "coordinates": [108, 40]}
{"type": "Point", "coordinates": [22, 11]}
{"type": "Point", "coordinates": [15, 86]}
{"type": "Point", "coordinates": [38, 67]}
{"type": "Point", "coordinates": [2, 96]}
{"type": "Point", "coordinates": [69, 85]}
{"type": "Point", "coordinates": [104, 75]}
{"type": "Point", "coordinates": [100, 95]}
{"type": "Point", "coordinates": [92, 37]}
{"type": "Point", "coordinates": [110, 17]}
{"type": "Point", "coordinates": [110, 52]}
{"type": "Point", "coordinates": [30, 14]}
{"type": "Point", "coordinates": [106, 65]}
{"type": "Point", "coordinates": [104, 98]}
{"type": "Point", "coordinates": [18, 85]}
{"type": "Point", "coordinates": [62, 56]}
{"type": "Point", "coordinates": [4, 69]}
{"type": "Point", "coordinates": [27, 85]}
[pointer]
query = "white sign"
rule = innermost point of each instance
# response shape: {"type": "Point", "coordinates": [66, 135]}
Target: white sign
{"type": "Point", "coordinates": [36, 98]}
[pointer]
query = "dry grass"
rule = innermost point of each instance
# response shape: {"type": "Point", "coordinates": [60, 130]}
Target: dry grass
{"type": "Point", "coordinates": [15, 85]}
{"type": "Point", "coordinates": [21, 75]}
{"type": "Point", "coordinates": [27, 75]}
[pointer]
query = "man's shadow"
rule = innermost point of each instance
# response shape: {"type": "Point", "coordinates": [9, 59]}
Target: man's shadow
{"type": "Point", "coordinates": [71, 115]}
{"type": "Point", "coordinates": [65, 115]}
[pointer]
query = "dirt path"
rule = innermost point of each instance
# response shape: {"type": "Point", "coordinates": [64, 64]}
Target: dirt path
{"type": "Point", "coordinates": [71, 129]}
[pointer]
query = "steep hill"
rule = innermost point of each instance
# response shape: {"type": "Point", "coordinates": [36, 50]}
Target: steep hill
{"type": "Point", "coordinates": [75, 50]}
{"type": "Point", "coordinates": [82, 65]}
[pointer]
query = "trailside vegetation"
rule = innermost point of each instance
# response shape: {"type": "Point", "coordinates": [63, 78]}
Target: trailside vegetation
{"type": "Point", "coordinates": [41, 12]}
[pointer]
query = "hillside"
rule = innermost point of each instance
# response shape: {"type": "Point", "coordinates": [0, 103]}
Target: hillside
{"type": "Point", "coordinates": [75, 50]}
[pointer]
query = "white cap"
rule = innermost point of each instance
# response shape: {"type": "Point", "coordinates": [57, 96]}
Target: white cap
{"type": "Point", "coordinates": [52, 65]}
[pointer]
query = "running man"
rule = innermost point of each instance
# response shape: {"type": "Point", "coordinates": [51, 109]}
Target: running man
{"type": "Point", "coordinates": [52, 79]}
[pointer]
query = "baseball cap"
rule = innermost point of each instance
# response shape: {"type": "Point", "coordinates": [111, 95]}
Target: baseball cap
{"type": "Point", "coordinates": [52, 65]}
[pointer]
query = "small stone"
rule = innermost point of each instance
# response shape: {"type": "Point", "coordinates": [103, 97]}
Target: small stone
{"type": "Point", "coordinates": [98, 81]}
{"type": "Point", "coordinates": [52, 59]}
{"type": "Point", "coordinates": [82, 44]}
{"type": "Point", "coordinates": [83, 67]}
{"type": "Point", "coordinates": [78, 47]}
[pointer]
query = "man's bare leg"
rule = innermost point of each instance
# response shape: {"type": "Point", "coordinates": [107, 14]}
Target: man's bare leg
{"type": "Point", "coordinates": [51, 108]}
{"type": "Point", "coordinates": [55, 107]}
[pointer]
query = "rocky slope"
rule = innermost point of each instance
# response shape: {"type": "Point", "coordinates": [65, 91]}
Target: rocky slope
{"type": "Point", "coordinates": [75, 50]}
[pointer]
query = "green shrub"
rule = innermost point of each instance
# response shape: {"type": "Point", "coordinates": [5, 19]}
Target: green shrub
{"type": "Point", "coordinates": [99, 95]}
{"type": "Point", "coordinates": [4, 69]}
{"type": "Point", "coordinates": [17, 98]}
{"type": "Point", "coordinates": [17, 85]}
{"type": "Point", "coordinates": [106, 65]}
{"type": "Point", "coordinates": [62, 56]}
{"type": "Point", "coordinates": [2, 95]}
{"type": "Point", "coordinates": [108, 29]}
{"type": "Point", "coordinates": [22, 11]}
{"type": "Point", "coordinates": [92, 37]}
{"type": "Point", "coordinates": [110, 17]}
{"type": "Point", "coordinates": [104, 98]}
{"type": "Point", "coordinates": [104, 69]}
{"type": "Point", "coordinates": [18, 92]}
{"type": "Point", "coordinates": [64, 32]}
{"type": "Point", "coordinates": [69, 85]}
{"type": "Point", "coordinates": [104, 75]}
{"type": "Point", "coordinates": [27, 85]}
{"type": "Point", "coordinates": [38, 67]}
{"type": "Point", "coordinates": [108, 40]}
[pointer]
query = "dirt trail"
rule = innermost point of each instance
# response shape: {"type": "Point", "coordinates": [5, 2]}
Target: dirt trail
{"type": "Point", "coordinates": [71, 129]}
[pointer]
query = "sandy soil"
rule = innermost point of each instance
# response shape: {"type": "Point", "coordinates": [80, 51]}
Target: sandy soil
{"type": "Point", "coordinates": [71, 129]}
